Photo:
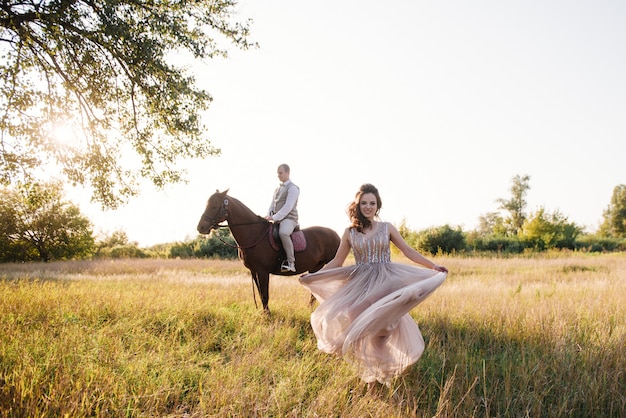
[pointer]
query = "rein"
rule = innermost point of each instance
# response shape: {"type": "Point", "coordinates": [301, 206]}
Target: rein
{"type": "Point", "coordinates": [247, 246]}
{"type": "Point", "coordinates": [224, 212]}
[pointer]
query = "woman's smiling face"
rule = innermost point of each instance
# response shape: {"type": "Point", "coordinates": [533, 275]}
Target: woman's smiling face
{"type": "Point", "coordinates": [368, 205]}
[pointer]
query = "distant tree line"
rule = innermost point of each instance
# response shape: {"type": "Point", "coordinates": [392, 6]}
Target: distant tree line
{"type": "Point", "coordinates": [541, 237]}
{"type": "Point", "coordinates": [38, 224]}
{"type": "Point", "coordinates": [514, 230]}
{"type": "Point", "coordinates": [220, 245]}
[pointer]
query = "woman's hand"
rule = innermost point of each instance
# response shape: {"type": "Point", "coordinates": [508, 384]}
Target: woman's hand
{"type": "Point", "coordinates": [442, 269]}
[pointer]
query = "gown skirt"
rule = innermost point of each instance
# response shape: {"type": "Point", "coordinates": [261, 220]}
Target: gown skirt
{"type": "Point", "coordinates": [364, 315]}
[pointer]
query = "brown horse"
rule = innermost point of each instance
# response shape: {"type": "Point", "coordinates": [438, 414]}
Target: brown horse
{"type": "Point", "coordinates": [253, 241]}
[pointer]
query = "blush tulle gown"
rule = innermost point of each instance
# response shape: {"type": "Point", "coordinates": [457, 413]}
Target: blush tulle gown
{"type": "Point", "coordinates": [364, 308]}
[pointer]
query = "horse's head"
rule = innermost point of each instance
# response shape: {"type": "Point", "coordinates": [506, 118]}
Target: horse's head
{"type": "Point", "coordinates": [216, 211]}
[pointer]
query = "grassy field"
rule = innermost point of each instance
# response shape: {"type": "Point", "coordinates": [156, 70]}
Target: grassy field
{"type": "Point", "coordinates": [536, 337]}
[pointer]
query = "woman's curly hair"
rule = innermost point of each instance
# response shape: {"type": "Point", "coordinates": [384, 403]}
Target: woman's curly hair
{"type": "Point", "coordinates": [357, 219]}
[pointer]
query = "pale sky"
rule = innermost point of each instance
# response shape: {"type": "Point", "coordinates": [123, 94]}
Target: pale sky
{"type": "Point", "coordinates": [438, 104]}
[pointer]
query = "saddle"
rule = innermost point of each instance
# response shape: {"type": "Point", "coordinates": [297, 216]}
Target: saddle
{"type": "Point", "coordinates": [297, 237]}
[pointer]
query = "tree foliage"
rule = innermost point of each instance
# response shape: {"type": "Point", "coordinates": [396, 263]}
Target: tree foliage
{"type": "Point", "coordinates": [543, 230]}
{"type": "Point", "coordinates": [117, 245]}
{"type": "Point", "coordinates": [516, 205]}
{"type": "Point", "coordinates": [105, 67]}
{"type": "Point", "coordinates": [491, 223]}
{"type": "Point", "coordinates": [614, 217]}
{"type": "Point", "coordinates": [443, 239]}
{"type": "Point", "coordinates": [114, 239]}
{"type": "Point", "coordinates": [219, 244]}
{"type": "Point", "coordinates": [37, 224]}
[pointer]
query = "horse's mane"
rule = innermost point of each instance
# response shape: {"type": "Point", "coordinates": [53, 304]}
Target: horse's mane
{"type": "Point", "coordinates": [259, 217]}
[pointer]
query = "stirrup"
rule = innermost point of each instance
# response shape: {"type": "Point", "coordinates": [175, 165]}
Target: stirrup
{"type": "Point", "coordinates": [287, 266]}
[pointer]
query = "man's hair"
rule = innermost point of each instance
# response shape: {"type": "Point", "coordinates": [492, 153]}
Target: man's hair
{"type": "Point", "coordinates": [284, 167]}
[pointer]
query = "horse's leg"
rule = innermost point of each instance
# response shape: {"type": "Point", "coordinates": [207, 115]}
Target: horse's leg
{"type": "Point", "coordinates": [255, 282]}
{"type": "Point", "coordinates": [263, 281]}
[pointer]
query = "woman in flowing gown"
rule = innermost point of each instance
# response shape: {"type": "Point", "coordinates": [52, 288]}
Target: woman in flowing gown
{"type": "Point", "coordinates": [364, 308]}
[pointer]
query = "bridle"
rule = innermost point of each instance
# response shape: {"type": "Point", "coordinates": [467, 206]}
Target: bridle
{"type": "Point", "coordinates": [223, 214]}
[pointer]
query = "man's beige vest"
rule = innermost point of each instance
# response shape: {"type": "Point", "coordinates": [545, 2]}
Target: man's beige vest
{"type": "Point", "coordinates": [280, 198]}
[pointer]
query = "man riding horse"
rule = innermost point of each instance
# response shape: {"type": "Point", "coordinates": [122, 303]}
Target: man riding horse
{"type": "Point", "coordinates": [256, 249]}
{"type": "Point", "coordinates": [283, 210]}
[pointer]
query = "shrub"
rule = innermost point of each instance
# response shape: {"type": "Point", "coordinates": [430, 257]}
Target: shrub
{"type": "Point", "coordinates": [220, 244]}
{"type": "Point", "coordinates": [595, 243]}
{"type": "Point", "coordinates": [443, 239]}
{"type": "Point", "coordinates": [495, 243]}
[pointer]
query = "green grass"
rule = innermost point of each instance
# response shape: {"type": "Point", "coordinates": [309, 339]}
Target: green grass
{"type": "Point", "coordinates": [513, 337]}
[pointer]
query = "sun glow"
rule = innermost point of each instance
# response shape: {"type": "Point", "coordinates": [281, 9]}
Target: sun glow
{"type": "Point", "coordinates": [65, 133]}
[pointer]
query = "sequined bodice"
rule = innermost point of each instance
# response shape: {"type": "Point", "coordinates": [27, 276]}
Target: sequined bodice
{"type": "Point", "coordinates": [374, 249]}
